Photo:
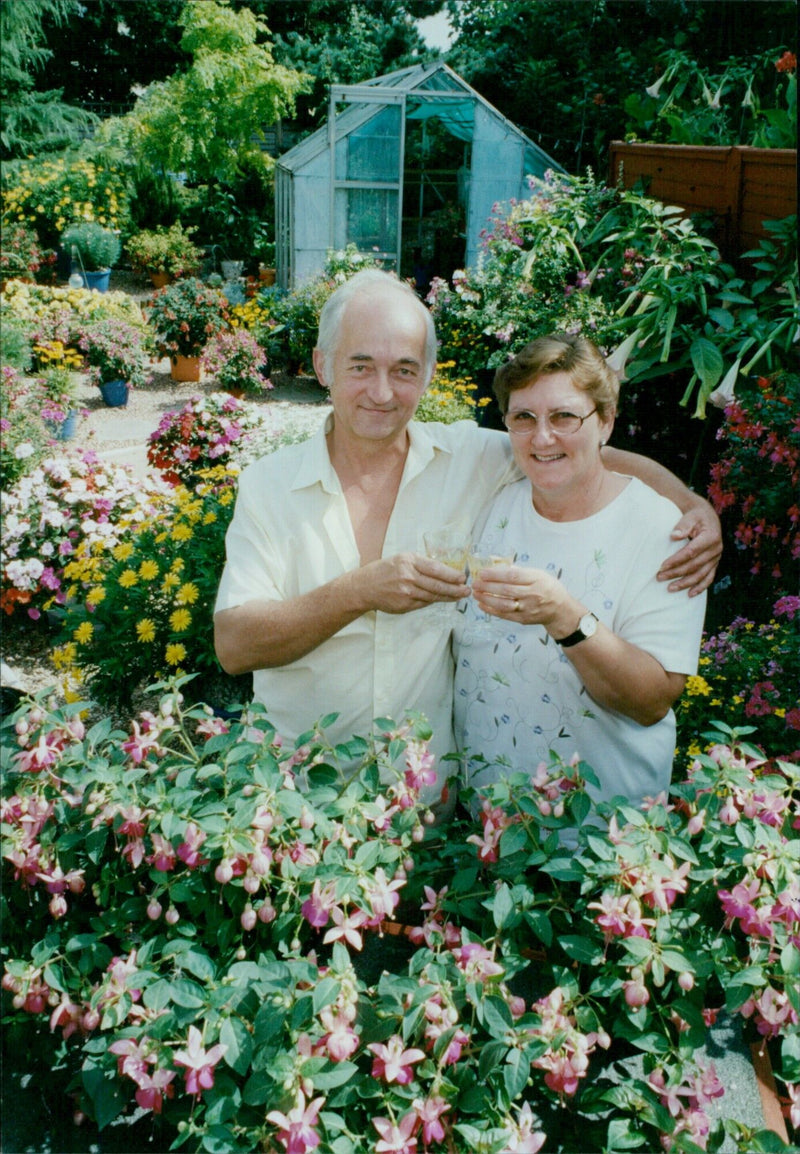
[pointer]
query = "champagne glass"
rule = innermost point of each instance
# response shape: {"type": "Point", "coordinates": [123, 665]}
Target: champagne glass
{"type": "Point", "coordinates": [450, 546]}
{"type": "Point", "coordinates": [481, 559]}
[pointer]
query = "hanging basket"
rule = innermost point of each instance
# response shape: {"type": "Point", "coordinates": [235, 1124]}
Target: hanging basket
{"type": "Point", "coordinates": [115, 394]}
{"type": "Point", "coordinates": [185, 368]}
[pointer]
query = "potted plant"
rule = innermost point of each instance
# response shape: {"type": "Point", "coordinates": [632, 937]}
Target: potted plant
{"type": "Point", "coordinates": [184, 316]}
{"type": "Point", "coordinates": [238, 362]}
{"type": "Point", "coordinates": [95, 249]}
{"type": "Point", "coordinates": [117, 357]}
{"type": "Point", "coordinates": [165, 254]}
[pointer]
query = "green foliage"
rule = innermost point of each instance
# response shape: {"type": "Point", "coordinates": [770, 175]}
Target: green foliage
{"type": "Point", "coordinates": [49, 194]}
{"type": "Point", "coordinates": [33, 121]}
{"type": "Point", "coordinates": [23, 435]}
{"type": "Point", "coordinates": [97, 247]}
{"type": "Point", "coordinates": [207, 120]}
{"type": "Point", "coordinates": [749, 674]}
{"type": "Point", "coordinates": [730, 105]}
{"type": "Point", "coordinates": [632, 273]}
{"type": "Point", "coordinates": [449, 397]}
{"type": "Point", "coordinates": [146, 604]}
{"type": "Point", "coordinates": [210, 901]}
{"type": "Point", "coordinates": [185, 316]}
{"type": "Point", "coordinates": [754, 487]}
{"type": "Point", "coordinates": [165, 250]}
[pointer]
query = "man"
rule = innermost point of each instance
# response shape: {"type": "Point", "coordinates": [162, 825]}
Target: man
{"type": "Point", "coordinates": [325, 592]}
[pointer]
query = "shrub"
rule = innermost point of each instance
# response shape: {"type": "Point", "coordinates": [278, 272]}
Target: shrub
{"type": "Point", "coordinates": [71, 504]}
{"type": "Point", "coordinates": [207, 432]}
{"type": "Point", "coordinates": [170, 251]}
{"type": "Point", "coordinates": [186, 315]}
{"type": "Point", "coordinates": [147, 601]}
{"type": "Point", "coordinates": [71, 306]}
{"type": "Point", "coordinates": [749, 676]}
{"type": "Point", "coordinates": [96, 247]}
{"type": "Point", "coordinates": [116, 351]}
{"type": "Point", "coordinates": [755, 485]}
{"type": "Point", "coordinates": [21, 255]}
{"type": "Point", "coordinates": [196, 920]}
{"type": "Point", "coordinates": [47, 194]}
{"type": "Point", "coordinates": [238, 362]}
{"type": "Point", "coordinates": [23, 436]}
{"type": "Point", "coordinates": [449, 398]}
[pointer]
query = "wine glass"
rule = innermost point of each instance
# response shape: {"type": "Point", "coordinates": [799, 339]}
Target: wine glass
{"type": "Point", "coordinates": [450, 546]}
{"type": "Point", "coordinates": [481, 559]}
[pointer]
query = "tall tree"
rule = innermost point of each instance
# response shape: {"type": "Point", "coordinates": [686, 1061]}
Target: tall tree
{"type": "Point", "coordinates": [207, 121]}
{"type": "Point", "coordinates": [34, 120]}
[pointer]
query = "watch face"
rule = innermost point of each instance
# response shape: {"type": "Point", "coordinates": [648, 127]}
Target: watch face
{"type": "Point", "coordinates": [588, 625]}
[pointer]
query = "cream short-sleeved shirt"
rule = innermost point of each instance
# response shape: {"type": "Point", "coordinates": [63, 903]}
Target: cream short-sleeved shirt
{"type": "Point", "coordinates": [291, 533]}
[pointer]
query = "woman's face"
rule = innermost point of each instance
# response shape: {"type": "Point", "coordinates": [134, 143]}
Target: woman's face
{"type": "Point", "coordinates": [559, 466]}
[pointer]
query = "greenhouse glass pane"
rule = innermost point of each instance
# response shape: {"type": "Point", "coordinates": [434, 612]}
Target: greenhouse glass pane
{"type": "Point", "coordinates": [367, 218]}
{"type": "Point", "coordinates": [372, 151]}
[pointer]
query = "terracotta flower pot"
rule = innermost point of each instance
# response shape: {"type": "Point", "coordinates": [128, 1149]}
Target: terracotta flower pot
{"type": "Point", "coordinates": [159, 279]}
{"type": "Point", "coordinates": [185, 368]}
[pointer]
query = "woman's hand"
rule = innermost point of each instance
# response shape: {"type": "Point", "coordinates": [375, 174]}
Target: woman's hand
{"type": "Point", "coordinates": [528, 596]}
{"type": "Point", "coordinates": [693, 567]}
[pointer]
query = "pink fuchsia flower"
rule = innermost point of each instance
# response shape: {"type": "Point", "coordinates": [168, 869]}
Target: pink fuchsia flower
{"type": "Point", "coordinates": [477, 962]}
{"type": "Point", "coordinates": [297, 1133]}
{"type": "Point", "coordinates": [396, 1138]}
{"type": "Point", "coordinates": [189, 849]}
{"type": "Point", "coordinates": [139, 744]}
{"type": "Point", "coordinates": [347, 927]}
{"type": "Point", "coordinates": [420, 766]}
{"type": "Point", "coordinates": [393, 1062]}
{"type": "Point", "coordinates": [163, 856]}
{"type": "Point", "coordinates": [524, 1138]}
{"type": "Point", "coordinates": [153, 1088]}
{"type": "Point", "coordinates": [199, 1063]}
{"type": "Point", "coordinates": [317, 908]}
{"type": "Point", "coordinates": [430, 1112]}
{"type": "Point", "coordinates": [381, 894]}
{"type": "Point", "coordinates": [341, 1041]}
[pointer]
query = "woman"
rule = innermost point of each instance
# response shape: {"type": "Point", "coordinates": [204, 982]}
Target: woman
{"type": "Point", "coordinates": [586, 651]}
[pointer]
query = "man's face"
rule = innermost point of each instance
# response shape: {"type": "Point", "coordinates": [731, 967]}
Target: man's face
{"type": "Point", "coordinates": [378, 366]}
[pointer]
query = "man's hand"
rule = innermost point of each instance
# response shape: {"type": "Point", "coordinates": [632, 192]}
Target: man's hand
{"type": "Point", "coordinates": [410, 581]}
{"type": "Point", "coordinates": [694, 566]}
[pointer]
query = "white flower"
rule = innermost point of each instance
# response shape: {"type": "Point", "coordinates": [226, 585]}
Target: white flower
{"type": "Point", "coordinates": [23, 450]}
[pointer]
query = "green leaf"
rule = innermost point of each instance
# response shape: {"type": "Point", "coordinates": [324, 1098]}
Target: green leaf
{"type": "Point", "coordinates": [235, 1035]}
{"type": "Point", "coordinates": [515, 1073]}
{"type": "Point", "coordinates": [335, 1075]}
{"type": "Point", "coordinates": [108, 1101]}
{"type": "Point", "coordinates": [707, 362]}
{"type": "Point", "coordinates": [513, 840]}
{"type": "Point", "coordinates": [790, 959]}
{"type": "Point", "coordinates": [496, 1016]}
{"type": "Point", "coordinates": [622, 1136]}
{"type": "Point", "coordinates": [582, 949]}
{"type": "Point", "coordinates": [325, 992]}
{"type": "Point", "coordinates": [502, 907]}
{"type": "Point", "coordinates": [492, 1054]}
{"type": "Point", "coordinates": [187, 994]}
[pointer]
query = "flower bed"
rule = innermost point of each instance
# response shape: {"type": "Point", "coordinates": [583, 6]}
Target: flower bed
{"type": "Point", "coordinates": [191, 920]}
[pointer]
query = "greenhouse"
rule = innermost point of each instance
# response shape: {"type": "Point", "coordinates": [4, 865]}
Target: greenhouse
{"type": "Point", "coordinates": [407, 169]}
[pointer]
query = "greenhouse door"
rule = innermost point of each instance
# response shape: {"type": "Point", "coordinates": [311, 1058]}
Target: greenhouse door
{"type": "Point", "coordinates": [367, 155]}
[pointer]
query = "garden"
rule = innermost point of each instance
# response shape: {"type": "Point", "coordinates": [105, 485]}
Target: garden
{"type": "Point", "coordinates": [223, 942]}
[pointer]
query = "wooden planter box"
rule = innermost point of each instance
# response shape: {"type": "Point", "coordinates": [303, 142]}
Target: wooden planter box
{"type": "Point", "coordinates": [741, 187]}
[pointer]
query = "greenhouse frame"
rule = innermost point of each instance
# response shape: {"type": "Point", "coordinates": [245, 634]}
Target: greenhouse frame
{"type": "Point", "coordinates": [408, 171]}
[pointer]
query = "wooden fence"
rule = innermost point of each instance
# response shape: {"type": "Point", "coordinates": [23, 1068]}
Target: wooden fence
{"type": "Point", "coordinates": [741, 187]}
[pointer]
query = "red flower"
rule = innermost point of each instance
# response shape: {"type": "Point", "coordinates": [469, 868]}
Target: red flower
{"type": "Point", "coordinates": [787, 62]}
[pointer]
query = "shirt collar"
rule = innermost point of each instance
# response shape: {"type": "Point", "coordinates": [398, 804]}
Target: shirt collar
{"type": "Point", "coordinates": [316, 468]}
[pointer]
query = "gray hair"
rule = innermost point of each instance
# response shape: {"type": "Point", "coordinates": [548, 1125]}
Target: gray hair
{"type": "Point", "coordinates": [364, 283]}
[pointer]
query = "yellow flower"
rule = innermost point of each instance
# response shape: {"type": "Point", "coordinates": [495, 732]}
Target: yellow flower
{"type": "Point", "coordinates": [83, 634]}
{"type": "Point", "coordinates": [697, 686]}
{"type": "Point", "coordinates": [175, 653]}
{"type": "Point", "coordinates": [148, 570]}
{"type": "Point", "coordinates": [96, 595]}
{"type": "Point", "coordinates": [122, 551]}
{"type": "Point", "coordinates": [182, 533]}
{"type": "Point", "coordinates": [64, 655]}
{"type": "Point", "coordinates": [180, 620]}
{"type": "Point", "coordinates": [169, 582]}
{"type": "Point", "coordinates": [128, 578]}
{"type": "Point", "coordinates": [145, 630]}
{"type": "Point", "coordinates": [187, 594]}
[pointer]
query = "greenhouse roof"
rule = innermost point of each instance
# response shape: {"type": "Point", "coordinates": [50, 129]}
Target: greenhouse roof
{"type": "Point", "coordinates": [428, 90]}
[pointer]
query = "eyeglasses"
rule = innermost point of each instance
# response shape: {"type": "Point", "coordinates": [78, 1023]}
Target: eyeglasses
{"type": "Point", "coordinates": [561, 423]}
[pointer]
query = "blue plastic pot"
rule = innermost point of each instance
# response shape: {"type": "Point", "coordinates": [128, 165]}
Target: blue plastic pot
{"type": "Point", "coordinates": [97, 280]}
{"type": "Point", "coordinates": [114, 393]}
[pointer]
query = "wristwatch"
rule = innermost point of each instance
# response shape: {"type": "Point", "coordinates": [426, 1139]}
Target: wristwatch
{"type": "Point", "coordinates": [587, 627]}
